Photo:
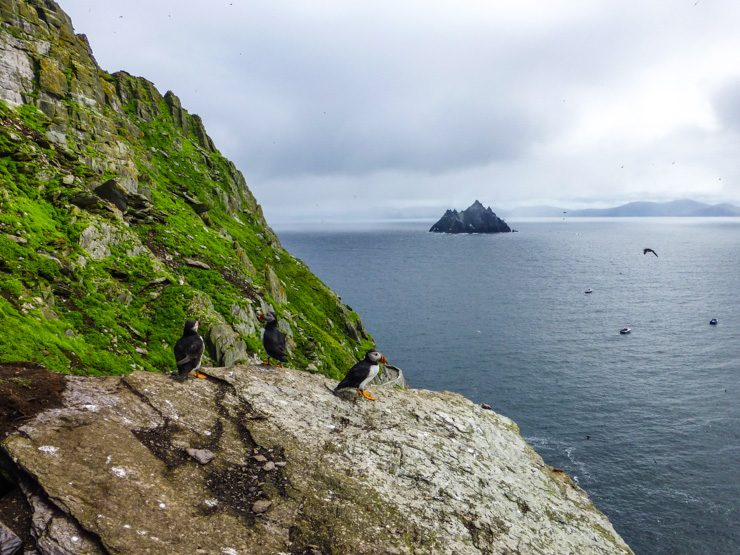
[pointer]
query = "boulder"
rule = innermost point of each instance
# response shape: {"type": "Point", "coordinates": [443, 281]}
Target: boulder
{"type": "Point", "coordinates": [16, 70]}
{"type": "Point", "coordinates": [226, 345]}
{"type": "Point", "coordinates": [10, 543]}
{"type": "Point", "coordinates": [196, 263]}
{"type": "Point", "coordinates": [275, 286]}
{"type": "Point", "coordinates": [113, 193]}
{"type": "Point", "coordinates": [296, 470]}
{"type": "Point", "coordinates": [203, 456]}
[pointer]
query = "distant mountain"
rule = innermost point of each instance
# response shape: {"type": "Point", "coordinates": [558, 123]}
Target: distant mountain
{"type": "Point", "coordinates": [674, 208]}
{"type": "Point", "coordinates": [718, 210]}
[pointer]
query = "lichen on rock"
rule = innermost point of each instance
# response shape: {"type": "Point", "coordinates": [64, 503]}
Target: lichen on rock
{"type": "Point", "coordinates": [292, 468]}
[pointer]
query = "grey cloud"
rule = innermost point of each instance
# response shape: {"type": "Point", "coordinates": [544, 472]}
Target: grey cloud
{"type": "Point", "coordinates": [411, 104]}
{"type": "Point", "coordinates": [727, 105]}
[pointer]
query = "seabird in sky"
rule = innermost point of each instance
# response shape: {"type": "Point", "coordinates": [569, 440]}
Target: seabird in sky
{"type": "Point", "coordinates": [645, 251]}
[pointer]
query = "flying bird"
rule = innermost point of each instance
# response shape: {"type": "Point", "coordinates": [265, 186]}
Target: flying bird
{"type": "Point", "coordinates": [273, 339]}
{"type": "Point", "coordinates": [189, 351]}
{"type": "Point", "coordinates": [645, 251]}
{"type": "Point", "coordinates": [362, 373]}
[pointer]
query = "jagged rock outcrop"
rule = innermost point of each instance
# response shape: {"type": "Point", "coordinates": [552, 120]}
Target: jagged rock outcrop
{"type": "Point", "coordinates": [119, 214]}
{"type": "Point", "coordinates": [294, 469]}
{"type": "Point", "coordinates": [474, 219]}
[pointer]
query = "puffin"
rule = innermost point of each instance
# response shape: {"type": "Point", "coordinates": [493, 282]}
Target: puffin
{"type": "Point", "coordinates": [272, 338]}
{"type": "Point", "coordinates": [189, 351]}
{"type": "Point", "coordinates": [362, 373]}
{"type": "Point", "coordinates": [645, 251]}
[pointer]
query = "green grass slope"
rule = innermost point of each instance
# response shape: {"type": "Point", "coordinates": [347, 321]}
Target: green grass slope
{"type": "Point", "coordinates": [119, 219]}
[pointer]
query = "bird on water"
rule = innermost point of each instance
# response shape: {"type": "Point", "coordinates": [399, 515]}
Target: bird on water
{"type": "Point", "coordinates": [189, 351]}
{"type": "Point", "coordinates": [645, 251]}
{"type": "Point", "coordinates": [273, 340]}
{"type": "Point", "coordinates": [362, 373]}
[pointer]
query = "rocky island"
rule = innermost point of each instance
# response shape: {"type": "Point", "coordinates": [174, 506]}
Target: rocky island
{"type": "Point", "coordinates": [474, 219]}
{"type": "Point", "coordinates": [119, 220]}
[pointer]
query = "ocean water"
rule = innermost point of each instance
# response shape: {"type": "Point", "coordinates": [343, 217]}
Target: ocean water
{"type": "Point", "coordinates": [647, 423]}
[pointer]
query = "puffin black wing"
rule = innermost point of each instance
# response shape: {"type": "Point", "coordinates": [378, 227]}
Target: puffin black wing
{"type": "Point", "coordinates": [355, 376]}
{"type": "Point", "coordinates": [188, 352]}
{"type": "Point", "coordinates": [274, 342]}
{"type": "Point", "coordinates": [645, 251]}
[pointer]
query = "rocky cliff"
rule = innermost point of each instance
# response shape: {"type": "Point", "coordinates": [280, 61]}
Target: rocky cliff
{"type": "Point", "coordinates": [474, 219]}
{"type": "Point", "coordinates": [266, 460]}
{"type": "Point", "coordinates": [119, 219]}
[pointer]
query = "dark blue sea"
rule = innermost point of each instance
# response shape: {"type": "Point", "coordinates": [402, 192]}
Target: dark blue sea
{"type": "Point", "coordinates": [648, 423]}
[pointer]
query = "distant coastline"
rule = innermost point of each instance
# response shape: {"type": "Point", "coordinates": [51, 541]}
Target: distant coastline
{"type": "Point", "coordinates": [683, 208]}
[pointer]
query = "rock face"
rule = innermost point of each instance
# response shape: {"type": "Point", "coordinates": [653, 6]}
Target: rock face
{"type": "Point", "coordinates": [119, 214]}
{"type": "Point", "coordinates": [294, 470]}
{"type": "Point", "coordinates": [474, 219]}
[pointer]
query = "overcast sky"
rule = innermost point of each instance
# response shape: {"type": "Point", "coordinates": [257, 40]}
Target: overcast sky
{"type": "Point", "coordinates": [374, 109]}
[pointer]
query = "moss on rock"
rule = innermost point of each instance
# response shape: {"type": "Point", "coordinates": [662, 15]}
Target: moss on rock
{"type": "Point", "coordinates": [106, 187]}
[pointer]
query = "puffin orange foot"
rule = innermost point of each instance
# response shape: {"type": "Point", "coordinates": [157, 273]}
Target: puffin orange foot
{"type": "Point", "coordinates": [367, 395]}
{"type": "Point", "coordinates": [199, 375]}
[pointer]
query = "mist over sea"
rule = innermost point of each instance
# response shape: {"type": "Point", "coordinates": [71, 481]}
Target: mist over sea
{"type": "Point", "coordinates": [647, 423]}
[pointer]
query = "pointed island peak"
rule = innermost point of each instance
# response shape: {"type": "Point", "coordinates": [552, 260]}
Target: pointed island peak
{"type": "Point", "coordinates": [476, 218]}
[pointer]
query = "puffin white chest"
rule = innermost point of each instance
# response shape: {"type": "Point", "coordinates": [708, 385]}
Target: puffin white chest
{"type": "Point", "coordinates": [370, 376]}
{"type": "Point", "coordinates": [200, 360]}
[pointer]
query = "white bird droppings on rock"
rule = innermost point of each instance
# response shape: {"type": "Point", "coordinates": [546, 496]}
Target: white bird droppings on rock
{"type": "Point", "coordinates": [119, 471]}
{"type": "Point", "coordinates": [50, 449]}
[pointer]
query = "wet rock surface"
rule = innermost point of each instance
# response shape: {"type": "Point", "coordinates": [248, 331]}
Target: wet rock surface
{"type": "Point", "coordinates": [295, 469]}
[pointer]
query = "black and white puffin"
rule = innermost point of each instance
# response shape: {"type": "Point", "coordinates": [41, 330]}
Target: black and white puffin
{"type": "Point", "coordinates": [272, 338]}
{"type": "Point", "coordinates": [189, 351]}
{"type": "Point", "coordinates": [362, 373]}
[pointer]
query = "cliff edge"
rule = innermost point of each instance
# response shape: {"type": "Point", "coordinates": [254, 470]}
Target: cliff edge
{"type": "Point", "coordinates": [267, 460]}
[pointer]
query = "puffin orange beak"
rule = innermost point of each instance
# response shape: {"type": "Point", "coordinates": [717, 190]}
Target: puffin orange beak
{"type": "Point", "coordinates": [261, 317]}
{"type": "Point", "coordinates": [383, 360]}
